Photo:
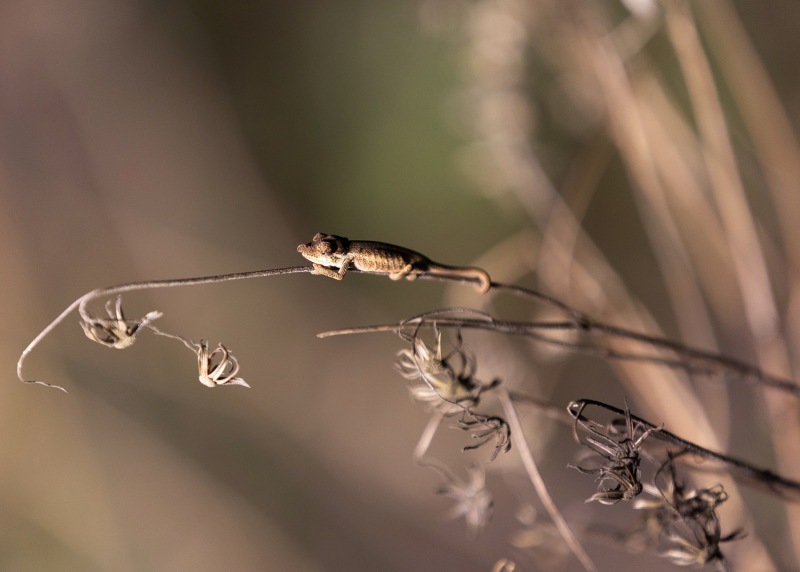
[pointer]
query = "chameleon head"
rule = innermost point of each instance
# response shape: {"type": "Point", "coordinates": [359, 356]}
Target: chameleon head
{"type": "Point", "coordinates": [325, 249]}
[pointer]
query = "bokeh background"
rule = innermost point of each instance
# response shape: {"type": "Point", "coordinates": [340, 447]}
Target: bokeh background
{"type": "Point", "coordinates": [145, 140]}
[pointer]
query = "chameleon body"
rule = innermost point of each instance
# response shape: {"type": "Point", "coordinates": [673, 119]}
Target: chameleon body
{"type": "Point", "coordinates": [333, 255]}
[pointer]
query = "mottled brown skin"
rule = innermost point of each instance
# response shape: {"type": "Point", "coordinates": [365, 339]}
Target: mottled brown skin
{"type": "Point", "coordinates": [329, 252]}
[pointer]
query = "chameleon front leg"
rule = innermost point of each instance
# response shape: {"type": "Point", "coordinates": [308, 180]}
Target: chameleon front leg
{"type": "Point", "coordinates": [331, 272]}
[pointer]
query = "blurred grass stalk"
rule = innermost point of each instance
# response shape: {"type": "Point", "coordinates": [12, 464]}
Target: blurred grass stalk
{"type": "Point", "coordinates": [723, 268]}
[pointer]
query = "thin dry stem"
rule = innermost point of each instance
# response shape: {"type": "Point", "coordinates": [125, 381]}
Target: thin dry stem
{"type": "Point", "coordinates": [538, 482]}
{"type": "Point", "coordinates": [749, 261]}
{"type": "Point", "coordinates": [426, 438]}
{"type": "Point", "coordinates": [776, 145]}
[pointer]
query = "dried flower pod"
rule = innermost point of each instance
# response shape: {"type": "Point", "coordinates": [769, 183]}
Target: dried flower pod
{"type": "Point", "coordinates": [484, 428]}
{"type": "Point", "coordinates": [473, 500]}
{"type": "Point", "coordinates": [622, 455]}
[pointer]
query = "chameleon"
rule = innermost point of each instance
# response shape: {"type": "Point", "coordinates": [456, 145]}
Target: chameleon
{"type": "Point", "coordinates": [329, 252]}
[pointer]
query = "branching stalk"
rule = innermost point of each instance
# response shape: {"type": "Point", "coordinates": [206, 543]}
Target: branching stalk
{"type": "Point", "coordinates": [684, 357]}
{"type": "Point", "coordinates": [742, 471]}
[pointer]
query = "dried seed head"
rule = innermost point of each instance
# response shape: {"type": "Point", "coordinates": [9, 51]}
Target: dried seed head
{"type": "Point", "coordinates": [696, 543]}
{"type": "Point", "coordinates": [447, 383]}
{"type": "Point", "coordinates": [504, 565]}
{"type": "Point", "coordinates": [115, 331]}
{"type": "Point", "coordinates": [684, 521]}
{"type": "Point", "coordinates": [218, 367]}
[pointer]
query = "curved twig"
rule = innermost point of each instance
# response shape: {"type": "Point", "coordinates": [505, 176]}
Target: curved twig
{"type": "Point", "coordinates": [81, 302]}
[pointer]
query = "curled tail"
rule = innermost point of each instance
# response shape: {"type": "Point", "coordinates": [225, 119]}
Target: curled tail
{"type": "Point", "coordinates": [484, 281]}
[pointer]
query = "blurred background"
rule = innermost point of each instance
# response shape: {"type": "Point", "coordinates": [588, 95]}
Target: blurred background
{"type": "Point", "coordinates": [636, 159]}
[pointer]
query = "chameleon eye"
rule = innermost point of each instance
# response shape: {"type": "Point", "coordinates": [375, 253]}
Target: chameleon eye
{"type": "Point", "coordinates": [327, 246]}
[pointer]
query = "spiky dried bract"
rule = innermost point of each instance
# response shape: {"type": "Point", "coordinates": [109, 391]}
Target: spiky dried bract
{"type": "Point", "coordinates": [484, 428]}
{"type": "Point", "coordinates": [115, 331]}
{"type": "Point", "coordinates": [622, 454]}
{"type": "Point", "coordinates": [473, 501]}
{"type": "Point", "coordinates": [218, 367]}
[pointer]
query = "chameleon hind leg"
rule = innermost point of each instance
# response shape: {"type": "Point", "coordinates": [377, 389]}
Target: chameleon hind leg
{"type": "Point", "coordinates": [405, 272]}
